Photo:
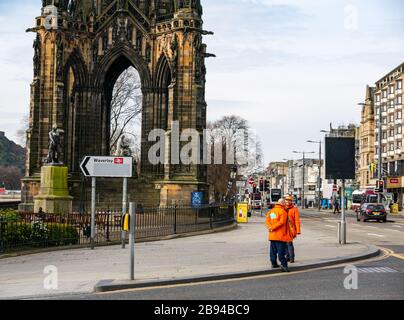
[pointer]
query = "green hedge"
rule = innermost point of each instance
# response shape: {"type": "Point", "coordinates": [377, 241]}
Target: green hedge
{"type": "Point", "coordinates": [21, 235]}
{"type": "Point", "coordinates": [8, 214]}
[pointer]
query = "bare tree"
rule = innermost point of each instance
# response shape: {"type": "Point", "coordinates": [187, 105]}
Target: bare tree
{"type": "Point", "coordinates": [22, 131]}
{"type": "Point", "coordinates": [239, 146]}
{"type": "Point", "coordinates": [243, 147]}
{"type": "Point", "coordinates": [126, 108]}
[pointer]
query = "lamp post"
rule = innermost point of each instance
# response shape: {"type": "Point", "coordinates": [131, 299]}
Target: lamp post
{"type": "Point", "coordinates": [319, 172]}
{"type": "Point", "coordinates": [303, 175]}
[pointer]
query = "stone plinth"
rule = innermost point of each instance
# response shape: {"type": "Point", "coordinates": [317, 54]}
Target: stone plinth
{"type": "Point", "coordinates": [54, 196]}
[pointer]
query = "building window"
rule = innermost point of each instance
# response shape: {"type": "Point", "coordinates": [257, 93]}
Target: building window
{"type": "Point", "coordinates": [385, 135]}
{"type": "Point", "coordinates": [399, 115]}
{"type": "Point", "coordinates": [399, 144]}
{"type": "Point", "coordinates": [391, 133]}
{"type": "Point", "coordinates": [399, 85]}
{"type": "Point", "coordinates": [391, 102]}
{"type": "Point", "coordinates": [378, 98]}
{"type": "Point", "coordinates": [399, 100]}
{"type": "Point", "coordinates": [391, 147]}
{"type": "Point", "coordinates": [384, 149]}
{"type": "Point", "coordinates": [391, 118]}
{"type": "Point", "coordinates": [391, 90]}
{"type": "Point", "coordinates": [384, 120]}
{"type": "Point", "coordinates": [399, 129]}
{"type": "Point", "coordinates": [384, 93]}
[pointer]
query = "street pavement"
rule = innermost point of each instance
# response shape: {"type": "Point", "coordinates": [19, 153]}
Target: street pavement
{"type": "Point", "coordinates": [377, 280]}
{"type": "Point", "coordinates": [244, 249]}
{"type": "Point", "coordinates": [380, 278]}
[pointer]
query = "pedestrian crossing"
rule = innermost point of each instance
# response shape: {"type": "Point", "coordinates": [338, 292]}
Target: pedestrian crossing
{"type": "Point", "coordinates": [377, 270]}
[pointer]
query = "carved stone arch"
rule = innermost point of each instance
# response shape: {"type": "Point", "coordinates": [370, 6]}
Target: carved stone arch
{"type": "Point", "coordinates": [76, 62]}
{"type": "Point", "coordinates": [163, 67]}
{"type": "Point", "coordinates": [111, 66]}
{"type": "Point", "coordinates": [75, 82]}
{"type": "Point", "coordinates": [122, 51]}
{"type": "Point", "coordinates": [164, 94]}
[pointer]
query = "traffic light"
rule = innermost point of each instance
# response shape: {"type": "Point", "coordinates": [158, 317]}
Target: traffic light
{"type": "Point", "coordinates": [254, 188]}
{"type": "Point", "coordinates": [261, 185]}
{"type": "Point", "coordinates": [379, 186]}
{"type": "Point", "coordinates": [266, 187]}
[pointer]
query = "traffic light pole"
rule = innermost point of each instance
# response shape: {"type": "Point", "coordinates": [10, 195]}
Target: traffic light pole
{"type": "Point", "coordinates": [262, 203]}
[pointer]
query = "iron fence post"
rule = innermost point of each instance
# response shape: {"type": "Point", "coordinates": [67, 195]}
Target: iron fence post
{"type": "Point", "coordinates": [175, 219]}
{"type": "Point", "coordinates": [1, 232]}
{"type": "Point", "coordinates": [108, 227]}
{"type": "Point", "coordinates": [211, 217]}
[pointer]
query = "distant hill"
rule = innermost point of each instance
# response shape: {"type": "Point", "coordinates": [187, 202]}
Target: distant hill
{"type": "Point", "coordinates": [11, 154]}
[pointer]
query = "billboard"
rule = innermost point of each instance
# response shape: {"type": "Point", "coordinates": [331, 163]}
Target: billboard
{"type": "Point", "coordinates": [339, 158]}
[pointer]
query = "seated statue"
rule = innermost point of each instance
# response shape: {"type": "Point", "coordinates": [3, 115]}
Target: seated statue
{"type": "Point", "coordinates": [123, 149]}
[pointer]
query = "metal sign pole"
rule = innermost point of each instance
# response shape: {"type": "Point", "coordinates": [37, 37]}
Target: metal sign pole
{"type": "Point", "coordinates": [132, 234]}
{"type": "Point", "coordinates": [93, 194]}
{"type": "Point", "coordinates": [124, 208]}
{"type": "Point", "coordinates": [343, 219]}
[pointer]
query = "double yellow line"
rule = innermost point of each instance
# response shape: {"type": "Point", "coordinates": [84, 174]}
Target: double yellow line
{"type": "Point", "coordinates": [391, 253]}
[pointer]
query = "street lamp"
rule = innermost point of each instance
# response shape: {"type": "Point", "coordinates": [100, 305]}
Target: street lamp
{"type": "Point", "coordinates": [319, 173]}
{"type": "Point", "coordinates": [303, 178]}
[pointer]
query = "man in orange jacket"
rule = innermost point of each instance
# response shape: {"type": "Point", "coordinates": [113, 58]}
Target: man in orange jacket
{"type": "Point", "coordinates": [278, 235]}
{"type": "Point", "coordinates": [294, 227]}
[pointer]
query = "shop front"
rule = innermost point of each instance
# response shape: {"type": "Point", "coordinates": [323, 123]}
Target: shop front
{"type": "Point", "coordinates": [395, 186]}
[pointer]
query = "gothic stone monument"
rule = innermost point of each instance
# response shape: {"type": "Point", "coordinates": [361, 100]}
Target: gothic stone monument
{"type": "Point", "coordinates": [80, 50]}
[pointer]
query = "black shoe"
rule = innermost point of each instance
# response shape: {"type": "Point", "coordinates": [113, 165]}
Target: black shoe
{"type": "Point", "coordinates": [285, 269]}
{"type": "Point", "coordinates": [292, 261]}
{"type": "Point", "coordinates": [275, 266]}
{"type": "Point", "coordinates": [287, 259]}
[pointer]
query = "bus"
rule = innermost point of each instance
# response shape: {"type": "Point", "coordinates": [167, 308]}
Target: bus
{"type": "Point", "coordinates": [255, 201]}
{"type": "Point", "coordinates": [273, 197]}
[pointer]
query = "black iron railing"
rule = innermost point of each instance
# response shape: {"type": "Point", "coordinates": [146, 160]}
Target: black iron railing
{"type": "Point", "coordinates": [28, 231]}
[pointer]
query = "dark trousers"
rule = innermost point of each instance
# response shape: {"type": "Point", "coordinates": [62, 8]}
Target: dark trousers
{"type": "Point", "coordinates": [290, 252]}
{"type": "Point", "coordinates": [278, 251]}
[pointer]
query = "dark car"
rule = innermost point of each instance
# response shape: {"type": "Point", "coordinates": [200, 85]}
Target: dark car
{"type": "Point", "coordinates": [371, 211]}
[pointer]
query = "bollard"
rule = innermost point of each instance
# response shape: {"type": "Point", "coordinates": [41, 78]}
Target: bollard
{"type": "Point", "coordinates": [132, 235]}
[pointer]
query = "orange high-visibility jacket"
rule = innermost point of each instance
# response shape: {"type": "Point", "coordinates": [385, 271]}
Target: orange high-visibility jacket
{"type": "Point", "coordinates": [276, 220]}
{"type": "Point", "coordinates": [294, 220]}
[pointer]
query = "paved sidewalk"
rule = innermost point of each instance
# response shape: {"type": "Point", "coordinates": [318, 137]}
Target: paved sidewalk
{"type": "Point", "coordinates": [241, 250]}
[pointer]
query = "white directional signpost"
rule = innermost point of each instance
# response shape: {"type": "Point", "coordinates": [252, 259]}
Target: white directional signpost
{"type": "Point", "coordinates": [107, 167]}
